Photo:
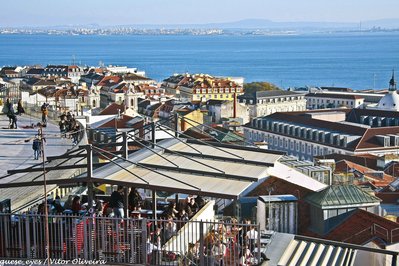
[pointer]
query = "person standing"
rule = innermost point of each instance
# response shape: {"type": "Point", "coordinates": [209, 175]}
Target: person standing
{"type": "Point", "coordinates": [63, 126]}
{"type": "Point", "coordinates": [20, 108]}
{"type": "Point", "coordinates": [116, 202]}
{"type": "Point", "coordinates": [44, 110]}
{"type": "Point", "coordinates": [11, 114]}
{"type": "Point", "coordinates": [37, 147]}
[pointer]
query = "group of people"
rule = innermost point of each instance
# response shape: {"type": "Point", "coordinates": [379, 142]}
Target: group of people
{"type": "Point", "coordinates": [227, 244]}
{"type": "Point", "coordinates": [9, 110]}
{"type": "Point", "coordinates": [68, 125]}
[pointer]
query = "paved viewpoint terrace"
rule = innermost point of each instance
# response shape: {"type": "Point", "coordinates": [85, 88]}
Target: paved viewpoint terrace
{"type": "Point", "coordinates": [16, 144]}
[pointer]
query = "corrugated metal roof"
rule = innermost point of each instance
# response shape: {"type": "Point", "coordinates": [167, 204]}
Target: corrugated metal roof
{"type": "Point", "coordinates": [206, 184]}
{"type": "Point", "coordinates": [197, 175]}
{"type": "Point", "coordinates": [254, 156]}
{"type": "Point", "coordinates": [306, 253]}
{"type": "Point", "coordinates": [339, 195]}
{"type": "Point", "coordinates": [291, 175]}
{"type": "Point", "coordinates": [232, 168]}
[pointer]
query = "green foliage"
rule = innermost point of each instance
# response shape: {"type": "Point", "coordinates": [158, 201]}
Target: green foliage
{"type": "Point", "coordinates": [259, 86]}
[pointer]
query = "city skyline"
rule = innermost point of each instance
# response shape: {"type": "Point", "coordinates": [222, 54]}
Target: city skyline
{"type": "Point", "coordinates": [47, 13]}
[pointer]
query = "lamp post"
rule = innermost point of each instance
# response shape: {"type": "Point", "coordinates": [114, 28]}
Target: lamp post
{"type": "Point", "coordinates": [46, 225]}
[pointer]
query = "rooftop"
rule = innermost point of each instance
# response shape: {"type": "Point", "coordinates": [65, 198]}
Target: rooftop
{"type": "Point", "coordinates": [342, 195]}
{"type": "Point", "coordinates": [268, 94]}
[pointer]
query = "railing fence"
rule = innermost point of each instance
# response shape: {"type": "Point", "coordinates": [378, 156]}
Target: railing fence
{"type": "Point", "coordinates": [129, 241]}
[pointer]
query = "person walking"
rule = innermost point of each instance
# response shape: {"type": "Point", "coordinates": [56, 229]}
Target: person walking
{"type": "Point", "coordinates": [37, 147]}
{"type": "Point", "coordinates": [9, 111]}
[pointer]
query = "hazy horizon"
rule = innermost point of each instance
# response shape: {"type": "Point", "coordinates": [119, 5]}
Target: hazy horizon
{"type": "Point", "coordinates": [45, 13]}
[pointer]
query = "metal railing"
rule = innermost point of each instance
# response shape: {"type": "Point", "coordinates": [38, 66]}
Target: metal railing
{"type": "Point", "coordinates": [390, 236]}
{"type": "Point", "coordinates": [129, 241]}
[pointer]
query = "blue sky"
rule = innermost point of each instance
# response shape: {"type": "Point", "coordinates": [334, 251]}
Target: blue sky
{"type": "Point", "coordinates": [119, 12]}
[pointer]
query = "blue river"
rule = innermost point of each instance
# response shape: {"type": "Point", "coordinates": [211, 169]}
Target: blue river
{"type": "Point", "coordinates": [358, 61]}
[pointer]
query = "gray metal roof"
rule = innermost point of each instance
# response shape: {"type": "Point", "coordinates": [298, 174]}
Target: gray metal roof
{"type": "Point", "coordinates": [196, 169]}
{"type": "Point", "coordinates": [300, 252]}
{"type": "Point", "coordinates": [278, 198]}
{"type": "Point", "coordinates": [269, 94]}
{"type": "Point", "coordinates": [254, 156]}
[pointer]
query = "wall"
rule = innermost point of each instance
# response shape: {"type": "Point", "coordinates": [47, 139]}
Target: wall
{"type": "Point", "coordinates": [283, 106]}
{"type": "Point", "coordinates": [179, 242]}
{"type": "Point", "coordinates": [196, 116]}
{"type": "Point", "coordinates": [370, 259]}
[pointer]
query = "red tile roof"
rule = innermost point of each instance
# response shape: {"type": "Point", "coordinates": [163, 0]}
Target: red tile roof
{"type": "Point", "coordinates": [112, 109]}
{"type": "Point", "coordinates": [369, 139]}
{"type": "Point", "coordinates": [344, 165]}
{"type": "Point", "coordinates": [362, 226]}
{"type": "Point", "coordinates": [366, 160]}
{"type": "Point", "coordinates": [122, 122]}
{"type": "Point", "coordinates": [109, 80]}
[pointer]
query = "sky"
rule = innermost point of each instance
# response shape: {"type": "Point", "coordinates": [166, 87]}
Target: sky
{"type": "Point", "coordinates": [126, 12]}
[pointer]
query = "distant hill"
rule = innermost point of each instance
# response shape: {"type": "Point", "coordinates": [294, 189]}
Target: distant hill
{"type": "Point", "coordinates": [246, 24]}
{"type": "Point", "coordinates": [259, 86]}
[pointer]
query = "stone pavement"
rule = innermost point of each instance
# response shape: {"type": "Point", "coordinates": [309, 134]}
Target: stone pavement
{"type": "Point", "coordinates": [16, 144]}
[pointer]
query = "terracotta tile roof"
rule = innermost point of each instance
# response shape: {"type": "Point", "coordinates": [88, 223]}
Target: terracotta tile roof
{"type": "Point", "coordinates": [366, 160]}
{"type": "Point", "coordinates": [109, 81]}
{"type": "Point", "coordinates": [359, 229]}
{"type": "Point", "coordinates": [120, 88]}
{"type": "Point", "coordinates": [344, 165]}
{"type": "Point", "coordinates": [369, 139]}
{"type": "Point", "coordinates": [112, 109]}
{"type": "Point", "coordinates": [124, 122]}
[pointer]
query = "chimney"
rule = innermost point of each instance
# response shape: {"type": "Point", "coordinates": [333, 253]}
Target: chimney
{"type": "Point", "coordinates": [235, 106]}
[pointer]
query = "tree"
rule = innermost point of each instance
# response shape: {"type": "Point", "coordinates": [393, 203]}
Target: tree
{"type": "Point", "coordinates": [259, 86]}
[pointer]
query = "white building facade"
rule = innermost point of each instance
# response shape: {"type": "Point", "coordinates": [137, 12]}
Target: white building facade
{"type": "Point", "coordinates": [264, 103]}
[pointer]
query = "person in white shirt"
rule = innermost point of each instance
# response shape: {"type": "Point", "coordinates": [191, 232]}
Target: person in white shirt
{"type": "Point", "coordinates": [252, 236]}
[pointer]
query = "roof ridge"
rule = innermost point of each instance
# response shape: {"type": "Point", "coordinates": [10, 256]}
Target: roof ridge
{"type": "Point", "coordinates": [361, 139]}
